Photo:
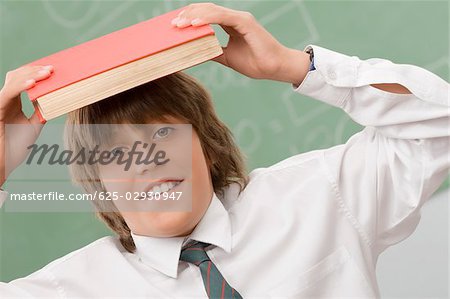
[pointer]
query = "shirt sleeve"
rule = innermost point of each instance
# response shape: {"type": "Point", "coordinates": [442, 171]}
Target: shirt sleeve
{"type": "Point", "coordinates": [41, 283]}
{"type": "Point", "coordinates": [385, 173]}
{"type": "Point", "coordinates": [38, 284]}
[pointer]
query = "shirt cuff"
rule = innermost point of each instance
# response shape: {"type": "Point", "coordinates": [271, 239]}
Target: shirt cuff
{"type": "Point", "coordinates": [333, 71]}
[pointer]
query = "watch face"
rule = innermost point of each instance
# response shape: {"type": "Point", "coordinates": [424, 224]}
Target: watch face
{"type": "Point", "coordinates": [311, 55]}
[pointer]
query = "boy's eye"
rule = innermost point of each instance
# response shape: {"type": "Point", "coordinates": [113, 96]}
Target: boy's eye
{"type": "Point", "coordinates": [117, 151]}
{"type": "Point", "coordinates": [163, 132]}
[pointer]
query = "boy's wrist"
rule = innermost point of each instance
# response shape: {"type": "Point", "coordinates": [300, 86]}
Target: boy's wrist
{"type": "Point", "coordinates": [293, 67]}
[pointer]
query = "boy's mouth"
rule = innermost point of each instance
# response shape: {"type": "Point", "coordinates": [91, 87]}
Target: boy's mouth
{"type": "Point", "coordinates": [164, 185]}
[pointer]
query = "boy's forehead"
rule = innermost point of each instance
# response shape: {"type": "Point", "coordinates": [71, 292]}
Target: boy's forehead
{"type": "Point", "coordinates": [150, 125]}
{"type": "Point", "coordinates": [166, 119]}
{"type": "Point", "coordinates": [129, 130]}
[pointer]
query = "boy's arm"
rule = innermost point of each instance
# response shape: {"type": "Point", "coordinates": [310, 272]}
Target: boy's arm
{"type": "Point", "coordinates": [293, 69]}
{"type": "Point", "coordinates": [384, 173]}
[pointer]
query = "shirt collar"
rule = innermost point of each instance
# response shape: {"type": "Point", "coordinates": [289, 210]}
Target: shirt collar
{"type": "Point", "coordinates": [163, 254]}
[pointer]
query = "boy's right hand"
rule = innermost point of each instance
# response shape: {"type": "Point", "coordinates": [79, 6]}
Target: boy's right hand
{"type": "Point", "coordinates": [11, 112]}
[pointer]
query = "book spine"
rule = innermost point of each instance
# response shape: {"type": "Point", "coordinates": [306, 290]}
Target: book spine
{"type": "Point", "coordinates": [42, 120]}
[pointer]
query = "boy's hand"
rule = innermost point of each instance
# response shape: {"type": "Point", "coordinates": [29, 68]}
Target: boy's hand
{"type": "Point", "coordinates": [11, 112]}
{"type": "Point", "coordinates": [251, 50]}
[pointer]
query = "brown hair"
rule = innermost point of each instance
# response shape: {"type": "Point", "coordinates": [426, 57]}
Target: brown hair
{"type": "Point", "coordinates": [178, 95]}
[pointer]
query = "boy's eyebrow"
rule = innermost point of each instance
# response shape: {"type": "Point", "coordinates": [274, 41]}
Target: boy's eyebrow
{"type": "Point", "coordinates": [117, 134]}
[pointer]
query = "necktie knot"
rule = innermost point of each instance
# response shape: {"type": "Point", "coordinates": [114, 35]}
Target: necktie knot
{"type": "Point", "coordinates": [215, 284]}
{"type": "Point", "coordinates": [195, 253]}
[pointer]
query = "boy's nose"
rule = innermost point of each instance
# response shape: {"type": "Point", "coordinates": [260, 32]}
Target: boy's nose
{"type": "Point", "coordinates": [145, 157]}
{"type": "Point", "coordinates": [143, 165]}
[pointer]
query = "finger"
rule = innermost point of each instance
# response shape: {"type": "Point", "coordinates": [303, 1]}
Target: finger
{"type": "Point", "coordinates": [42, 73]}
{"type": "Point", "coordinates": [22, 79]}
{"type": "Point", "coordinates": [30, 70]}
{"type": "Point", "coordinates": [207, 13]}
{"type": "Point", "coordinates": [25, 69]}
{"type": "Point", "coordinates": [199, 22]}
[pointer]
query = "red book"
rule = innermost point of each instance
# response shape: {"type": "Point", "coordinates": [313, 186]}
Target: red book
{"type": "Point", "coordinates": [118, 61]}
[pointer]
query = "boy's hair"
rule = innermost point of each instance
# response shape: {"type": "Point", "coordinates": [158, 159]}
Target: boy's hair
{"type": "Point", "coordinates": [178, 95]}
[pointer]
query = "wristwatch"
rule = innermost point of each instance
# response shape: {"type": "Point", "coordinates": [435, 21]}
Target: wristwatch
{"type": "Point", "coordinates": [311, 58]}
{"type": "Point", "coordinates": [311, 54]}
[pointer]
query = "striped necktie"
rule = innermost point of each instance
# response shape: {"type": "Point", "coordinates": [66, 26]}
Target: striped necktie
{"type": "Point", "coordinates": [216, 286]}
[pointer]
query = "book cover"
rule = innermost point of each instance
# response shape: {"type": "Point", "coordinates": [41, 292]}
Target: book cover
{"type": "Point", "coordinates": [113, 50]}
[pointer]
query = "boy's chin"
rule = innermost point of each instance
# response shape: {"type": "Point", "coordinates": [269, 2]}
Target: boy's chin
{"type": "Point", "coordinates": [166, 224]}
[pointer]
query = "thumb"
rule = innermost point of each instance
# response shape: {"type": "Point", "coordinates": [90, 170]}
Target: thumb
{"type": "Point", "coordinates": [221, 59]}
{"type": "Point", "coordinates": [35, 120]}
{"type": "Point", "coordinates": [36, 123]}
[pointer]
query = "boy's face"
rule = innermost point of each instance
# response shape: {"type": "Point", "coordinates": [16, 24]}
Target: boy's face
{"type": "Point", "coordinates": [187, 163]}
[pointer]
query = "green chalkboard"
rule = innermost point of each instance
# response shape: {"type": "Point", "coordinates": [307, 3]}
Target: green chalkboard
{"type": "Point", "coordinates": [270, 122]}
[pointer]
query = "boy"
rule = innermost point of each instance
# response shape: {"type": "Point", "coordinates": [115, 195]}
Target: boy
{"type": "Point", "coordinates": [312, 225]}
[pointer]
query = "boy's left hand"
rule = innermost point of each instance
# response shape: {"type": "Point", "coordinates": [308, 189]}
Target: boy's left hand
{"type": "Point", "coordinates": [251, 49]}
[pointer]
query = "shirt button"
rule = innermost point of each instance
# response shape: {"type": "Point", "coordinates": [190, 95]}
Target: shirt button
{"type": "Point", "coordinates": [418, 141]}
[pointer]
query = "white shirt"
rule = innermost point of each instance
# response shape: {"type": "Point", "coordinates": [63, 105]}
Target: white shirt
{"type": "Point", "coordinates": [312, 225]}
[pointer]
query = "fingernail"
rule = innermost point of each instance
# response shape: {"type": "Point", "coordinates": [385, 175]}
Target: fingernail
{"type": "Point", "coordinates": [181, 22]}
{"type": "Point", "coordinates": [48, 67]}
{"type": "Point", "coordinates": [43, 72]}
{"type": "Point", "coordinates": [196, 21]}
{"type": "Point", "coordinates": [29, 82]}
{"type": "Point", "coordinates": [175, 21]}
